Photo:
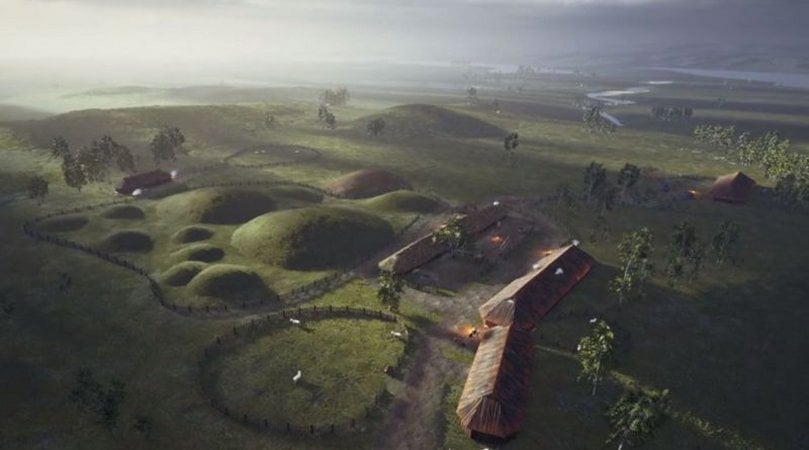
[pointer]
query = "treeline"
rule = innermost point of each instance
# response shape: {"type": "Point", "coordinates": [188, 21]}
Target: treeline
{"type": "Point", "coordinates": [338, 97]}
{"type": "Point", "coordinates": [671, 113]}
{"type": "Point", "coordinates": [93, 163]}
{"type": "Point", "coordinates": [770, 151]}
{"type": "Point", "coordinates": [594, 121]}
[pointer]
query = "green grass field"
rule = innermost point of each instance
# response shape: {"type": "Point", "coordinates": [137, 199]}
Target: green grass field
{"type": "Point", "coordinates": [729, 346]}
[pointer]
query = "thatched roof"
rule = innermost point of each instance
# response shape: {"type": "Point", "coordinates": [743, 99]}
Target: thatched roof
{"type": "Point", "coordinates": [423, 250]}
{"type": "Point", "coordinates": [733, 188]}
{"type": "Point", "coordinates": [143, 180]}
{"type": "Point", "coordinates": [495, 396]}
{"type": "Point", "coordinates": [526, 300]}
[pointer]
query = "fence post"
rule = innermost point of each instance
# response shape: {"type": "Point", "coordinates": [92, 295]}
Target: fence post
{"type": "Point", "coordinates": [311, 429]}
{"type": "Point", "coordinates": [288, 427]}
{"type": "Point", "coordinates": [266, 423]}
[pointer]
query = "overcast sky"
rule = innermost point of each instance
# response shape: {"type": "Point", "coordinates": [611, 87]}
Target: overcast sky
{"type": "Point", "coordinates": [228, 31]}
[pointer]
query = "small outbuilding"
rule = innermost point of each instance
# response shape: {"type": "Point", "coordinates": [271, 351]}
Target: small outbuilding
{"type": "Point", "coordinates": [495, 397]}
{"type": "Point", "coordinates": [732, 188]}
{"type": "Point", "coordinates": [526, 300]}
{"type": "Point", "coordinates": [142, 181]}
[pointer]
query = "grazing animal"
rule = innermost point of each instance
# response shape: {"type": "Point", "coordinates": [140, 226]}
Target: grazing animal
{"type": "Point", "coordinates": [295, 321]}
{"type": "Point", "coordinates": [396, 333]}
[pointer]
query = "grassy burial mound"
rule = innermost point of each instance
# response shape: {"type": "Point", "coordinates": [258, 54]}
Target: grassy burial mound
{"type": "Point", "coordinates": [335, 386]}
{"type": "Point", "coordinates": [128, 241]}
{"type": "Point", "coordinates": [182, 273]}
{"type": "Point", "coordinates": [216, 206]}
{"type": "Point", "coordinates": [294, 194]}
{"type": "Point", "coordinates": [230, 284]}
{"type": "Point", "coordinates": [192, 233]}
{"type": "Point", "coordinates": [71, 222]}
{"type": "Point", "coordinates": [199, 252]}
{"type": "Point", "coordinates": [403, 201]}
{"type": "Point", "coordinates": [367, 183]}
{"type": "Point", "coordinates": [126, 212]}
{"type": "Point", "coordinates": [312, 238]}
{"type": "Point", "coordinates": [418, 120]}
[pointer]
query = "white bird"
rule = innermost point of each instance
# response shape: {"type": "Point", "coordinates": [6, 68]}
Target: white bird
{"type": "Point", "coordinates": [174, 173]}
{"type": "Point", "coordinates": [396, 333]}
{"type": "Point", "coordinates": [559, 271]}
{"type": "Point", "coordinates": [536, 266]}
{"type": "Point", "coordinates": [297, 377]}
{"type": "Point", "coordinates": [594, 320]}
{"type": "Point", "coordinates": [137, 192]}
{"type": "Point", "coordinates": [496, 203]}
{"type": "Point", "coordinates": [576, 242]}
{"type": "Point", "coordinates": [295, 321]}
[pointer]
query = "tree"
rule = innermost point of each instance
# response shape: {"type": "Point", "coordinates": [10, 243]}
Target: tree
{"type": "Point", "coordinates": [594, 121]}
{"type": "Point", "coordinates": [685, 253]}
{"type": "Point", "coordinates": [635, 251]}
{"type": "Point", "coordinates": [595, 175]}
{"type": "Point", "coordinates": [605, 198]}
{"type": "Point", "coordinates": [472, 95]}
{"type": "Point", "coordinates": [376, 126]}
{"type": "Point", "coordinates": [390, 289]}
{"type": "Point", "coordinates": [510, 143]}
{"type": "Point", "coordinates": [593, 353]}
{"type": "Point", "coordinates": [73, 172]}
{"type": "Point", "coordinates": [166, 143]}
{"type": "Point", "coordinates": [59, 148]}
{"type": "Point", "coordinates": [564, 196]}
{"type": "Point", "coordinates": [636, 415]}
{"type": "Point", "coordinates": [725, 241]}
{"type": "Point", "coordinates": [331, 121]}
{"type": "Point", "coordinates": [452, 234]}
{"type": "Point", "coordinates": [628, 176]}
{"type": "Point", "coordinates": [91, 396]}
{"type": "Point", "coordinates": [91, 163]}
{"type": "Point", "coordinates": [37, 188]}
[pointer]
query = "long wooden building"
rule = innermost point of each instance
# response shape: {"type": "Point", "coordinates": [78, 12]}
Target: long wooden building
{"type": "Point", "coordinates": [732, 188]}
{"type": "Point", "coordinates": [526, 300]}
{"type": "Point", "coordinates": [495, 397]}
{"type": "Point", "coordinates": [424, 250]}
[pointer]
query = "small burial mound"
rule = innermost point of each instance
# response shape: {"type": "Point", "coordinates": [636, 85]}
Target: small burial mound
{"type": "Point", "coordinates": [419, 120]}
{"type": "Point", "coordinates": [199, 252]}
{"type": "Point", "coordinates": [126, 212]}
{"type": "Point", "coordinates": [215, 206]}
{"type": "Point", "coordinates": [367, 183]}
{"type": "Point", "coordinates": [290, 193]}
{"type": "Point", "coordinates": [192, 233]}
{"type": "Point", "coordinates": [71, 222]}
{"type": "Point", "coordinates": [403, 201]}
{"type": "Point", "coordinates": [128, 241]}
{"type": "Point", "coordinates": [231, 284]}
{"type": "Point", "coordinates": [312, 238]}
{"type": "Point", "coordinates": [182, 273]}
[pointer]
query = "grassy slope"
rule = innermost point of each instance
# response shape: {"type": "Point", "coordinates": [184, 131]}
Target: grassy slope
{"type": "Point", "coordinates": [728, 342]}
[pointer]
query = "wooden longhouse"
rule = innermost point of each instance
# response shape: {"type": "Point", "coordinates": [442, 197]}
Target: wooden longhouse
{"type": "Point", "coordinates": [495, 397]}
{"type": "Point", "coordinates": [732, 188]}
{"type": "Point", "coordinates": [526, 300]}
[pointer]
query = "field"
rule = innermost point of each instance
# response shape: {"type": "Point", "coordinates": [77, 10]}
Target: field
{"type": "Point", "coordinates": [729, 346]}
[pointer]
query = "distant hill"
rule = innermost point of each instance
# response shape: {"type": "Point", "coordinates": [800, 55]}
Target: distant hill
{"type": "Point", "coordinates": [10, 113]}
{"type": "Point", "coordinates": [419, 120]}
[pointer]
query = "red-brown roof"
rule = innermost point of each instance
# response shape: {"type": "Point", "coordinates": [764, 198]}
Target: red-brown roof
{"type": "Point", "coordinates": [495, 396]}
{"type": "Point", "coordinates": [526, 300]}
{"type": "Point", "coordinates": [733, 188]}
{"type": "Point", "coordinates": [143, 180]}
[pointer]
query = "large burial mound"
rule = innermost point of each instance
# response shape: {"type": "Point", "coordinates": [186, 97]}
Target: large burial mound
{"type": "Point", "coordinates": [182, 273]}
{"type": "Point", "coordinates": [312, 238]}
{"type": "Point", "coordinates": [216, 206]}
{"type": "Point", "coordinates": [128, 241]}
{"type": "Point", "coordinates": [71, 222]}
{"type": "Point", "coordinates": [367, 183]}
{"type": "Point", "coordinates": [192, 233]}
{"type": "Point", "coordinates": [127, 212]}
{"type": "Point", "coordinates": [418, 120]}
{"type": "Point", "coordinates": [199, 252]}
{"type": "Point", "coordinates": [403, 201]}
{"type": "Point", "coordinates": [230, 283]}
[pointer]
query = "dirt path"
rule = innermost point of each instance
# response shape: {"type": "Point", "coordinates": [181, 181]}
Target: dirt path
{"type": "Point", "coordinates": [416, 412]}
